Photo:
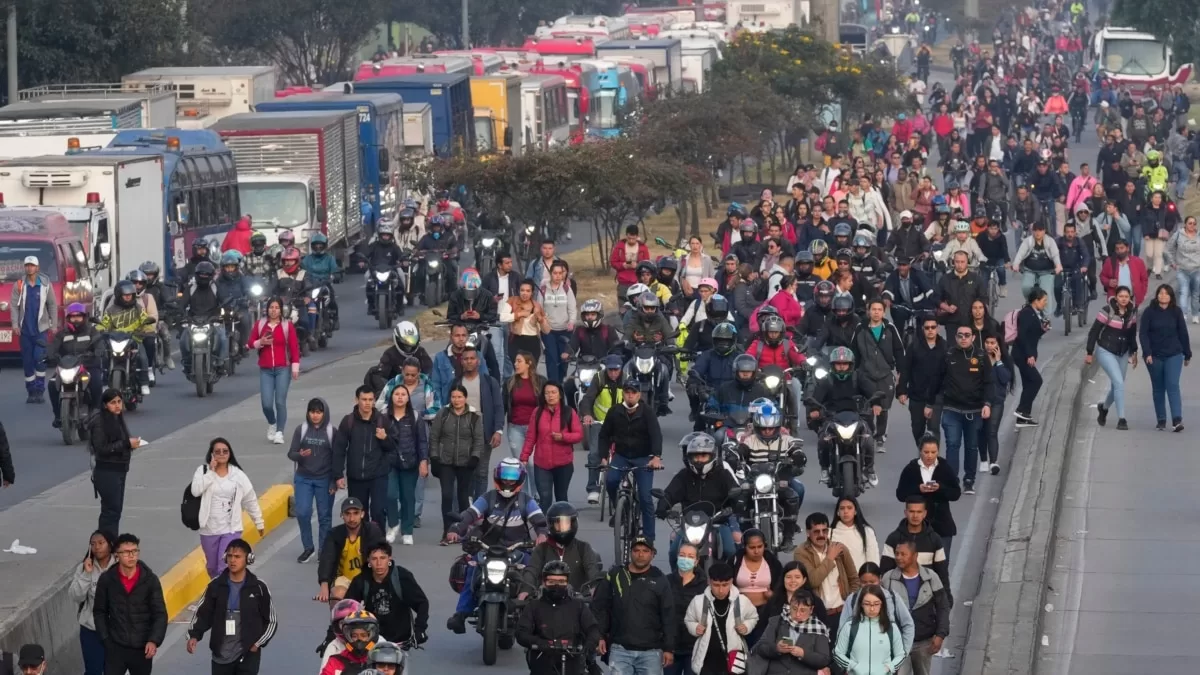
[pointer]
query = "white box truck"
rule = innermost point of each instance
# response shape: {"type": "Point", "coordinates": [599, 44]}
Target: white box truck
{"type": "Point", "coordinates": [32, 128]}
{"type": "Point", "coordinates": [418, 129]}
{"type": "Point", "coordinates": [204, 95]}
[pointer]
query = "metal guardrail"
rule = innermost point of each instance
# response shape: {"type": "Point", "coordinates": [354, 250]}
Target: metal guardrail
{"type": "Point", "coordinates": [91, 90]}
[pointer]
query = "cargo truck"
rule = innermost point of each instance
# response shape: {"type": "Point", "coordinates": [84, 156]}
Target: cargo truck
{"type": "Point", "coordinates": [204, 94]}
{"type": "Point", "coordinates": [418, 129]}
{"type": "Point", "coordinates": [42, 126]}
{"type": "Point", "coordinates": [298, 171]}
{"type": "Point", "coordinates": [667, 55]}
{"type": "Point", "coordinates": [449, 99]}
{"type": "Point", "coordinates": [760, 16]}
{"type": "Point", "coordinates": [497, 107]}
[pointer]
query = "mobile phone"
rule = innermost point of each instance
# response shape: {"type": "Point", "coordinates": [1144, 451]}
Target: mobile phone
{"type": "Point", "coordinates": [787, 641]}
{"type": "Point", "coordinates": [932, 483]}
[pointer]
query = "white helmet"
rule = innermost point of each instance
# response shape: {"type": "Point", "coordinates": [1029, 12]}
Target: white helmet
{"type": "Point", "coordinates": [407, 337]}
{"type": "Point", "coordinates": [635, 291]}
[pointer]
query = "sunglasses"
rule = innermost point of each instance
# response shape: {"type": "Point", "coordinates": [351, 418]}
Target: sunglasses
{"type": "Point", "coordinates": [963, 335]}
{"type": "Point", "coordinates": [934, 327]}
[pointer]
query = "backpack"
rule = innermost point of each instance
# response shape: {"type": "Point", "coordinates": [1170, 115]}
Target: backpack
{"type": "Point", "coordinates": [1010, 326]}
{"type": "Point", "coordinates": [285, 325]}
{"type": "Point", "coordinates": [786, 344]}
{"type": "Point", "coordinates": [189, 508]}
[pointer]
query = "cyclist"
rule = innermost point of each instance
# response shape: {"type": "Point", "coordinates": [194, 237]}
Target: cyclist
{"type": "Point", "coordinates": [1037, 260]}
{"type": "Point", "coordinates": [1075, 259]}
{"type": "Point", "coordinates": [907, 241]}
{"type": "Point", "coordinates": [556, 622]}
{"type": "Point", "coordinates": [994, 246]}
{"type": "Point", "coordinates": [702, 485]}
{"type": "Point", "coordinates": [737, 394]}
{"type": "Point", "coordinates": [769, 436]}
{"type": "Point", "coordinates": [906, 291]}
{"type": "Point", "coordinates": [840, 331]}
{"type": "Point", "coordinates": [838, 393]}
{"type": "Point", "coordinates": [962, 241]}
{"type": "Point", "coordinates": [633, 433]}
{"type": "Point", "coordinates": [602, 394]}
{"type": "Point", "coordinates": [713, 368]}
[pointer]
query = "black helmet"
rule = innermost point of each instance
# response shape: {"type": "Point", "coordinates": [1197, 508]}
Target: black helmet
{"type": "Point", "coordinates": [559, 514]}
{"type": "Point", "coordinates": [668, 263]}
{"type": "Point", "coordinates": [556, 568]}
{"type": "Point", "coordinates": [718, 308]}
{"type": "Point", "coordinates": [125, 287]}
{"type": "Point", "coordinates": [647, 267]}
{"type": "Point", "coordinates": [199, 243]}
{"type": "Point", "coordinates": [824, 291]}
{"type": "Point", "coordinates": [843, 305]}
{"type": "Point", "coordinates": [843, 230]}
{"type": "Point", "coordinates": [150, 269]}
{"type": "Point", "coordinates": [258, 242]}
{"type": "Point", "coordinates": [724, 338]}
{"type": "Point", "coordinates": [205, 271]}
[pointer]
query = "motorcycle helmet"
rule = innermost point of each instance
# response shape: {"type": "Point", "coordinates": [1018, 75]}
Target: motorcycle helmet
{"type": "Point", "coordinates": [343, 609]}
{"type": "Point", "coordinates": [563, 522]}
{"type": "Point", "coordinates": [406, 217]}
{"type": "Point", "coordinates": [470, 282]}
{"type": "Point", "coordinates": [386, 233]}
{"type": "Point", "coordinates": [843, 230]}
{"type": "Point", "coordinates": [591, 313]}
{"type": "Point", "coordinates": [76, 309]}
{"type": "Point", "coordinates": [361, 620]}
{"type": "Point", "coordinates": [718, 308]}
{"type": "Point", "coordinates": [388, 653]}
{"type": "Point", "coordinates": [745, 367]}
{"type": "Point", "coordinates": [646, 267]}
{"type": "Point", "coordinates": [230, 259]}
{"type": "Point", "coordinates": [138, 278]}
{"type": "Point", "coordinates": [748, 230]}
{"type": "Point", "coordinates": [318, 243]}
{"type": "Point", "coordinates": [287, 239]}
{"type": "Point", "coordinates": [205, 272]}
{"type": "Point", "coordinates": [710, 282]}
{"type": "Point", "coordinates": [844, 254]}
{"type": "Point", "coordinates": [438, 223]}
{"type": "Point", "coordinates": [667, 267]}
{"type": "Point", "coordinates": [819, 249]}
{"type": "Point", "coordinates": [806, 259]}
{"type": "Point", "coordinates": [649, 303]}
{"type": "Point", "coordinates": [290, 260]}
{"type": "Point", "coordinates": [198, 245]}
{"type": "Point", "coordinates": [724, 338]}
{"type": "Point", "coordinates": [258, 243]}
{"type": "Point", "coordinates": [735, 210]}
{"type": "Point", "coordinates": [407, 337]}
{"type": "Point", "coordinates": [634, 295]}
{"type": "Point", "coordinates": [767, 418]}
{"type": "Point", "coordinates": [861, 240]}
{"type": "Point", "coordinates": [824, 292]}
{"type": "Point", "coordinates": [841, 355]}
{"type": "Point", "coordinates": [1153, 157]}
{"type": "Point", "coordinates": [962, 226]}
{"type": "Point", "coordinates": [509, 476]}
{"type": "Point", "coordinates": [150, 269]}
{"type": "Point", "coordinates": [773, 328]}
{"type": "Point", "coordinates": [698, 446]}
{"type": "Point", "coordinates": [843, 306]}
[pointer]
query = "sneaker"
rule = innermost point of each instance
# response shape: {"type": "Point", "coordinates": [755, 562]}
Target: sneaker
{"type": "Point", "coordinates": [1196, 319]}
{"type": "Point", "coordinates": [170, 362]}
{"type": "Point", "coordinates": [983, 466]}
{"type": "Point", "coordinates": [406, 540]}
{"type": "Point", "coordinates": [1161, 426]}
{"type": "Point", "coordinates": [151, 375]}
{"type": "Point", "coordinates": [278, 440]}
{"type": "Point", "coordinates": [306, 556]}
{"type": "Point", "coordinates": [392, 533]}
{"type": "Point", "coordinates": [593, 497]}
{"type": "Point", "coordinates": [457, 623]}
{"type": "Point", "coordinates": [825, 476]}
{"type": "Point", "coordinates": [872, 478]}
{"type": "Point", "coordinates": [1101, 414]}
{"type": "Point", "coordinates": [31, 398]}
{"type": "Point", "coordinates": [1158, 277]}
{"type": "Point", "coordinates": [968, 486]}
{"type": "Point", "coordinates": [995, 470]}
{"type": "Point", "coordinates": [57, 423]}
{"type": "Point", "coordinates": [417, 522]}
{"type": "Point", "coordinates": [1004, 291]}
{"type": "Point", "coordinates": [145, 389]}
{"type": "Point", "coordinates": [1122, 425]}
{"type": "Point", "coordinates": [270, 433]}
{"type": "Point", "coordinates": [881, 444]}
{"type": "Point", "coordinates": [1177, 424]}
{"type": "Point", "coordinates": [1025, 421]}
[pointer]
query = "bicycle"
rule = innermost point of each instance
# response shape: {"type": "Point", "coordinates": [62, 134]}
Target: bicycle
{"type": "Point", "coordinates": [627, 511]}
{"type": "Point", "coordinates": [1069, 307]}
{"type": "Point", "coordinates": [993, 289]}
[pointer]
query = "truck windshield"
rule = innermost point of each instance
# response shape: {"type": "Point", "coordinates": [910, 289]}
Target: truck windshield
{"type": "Point", "coordinates": [286, 203]}
{"type": "Point", "coordinates": [1134, 57]}
{"type": "Point", "coordinates": [12, 259]}
{"type": "Point", "coordinates": [606, 110]}
{"type": "Point", "coordinates": [485, 140]}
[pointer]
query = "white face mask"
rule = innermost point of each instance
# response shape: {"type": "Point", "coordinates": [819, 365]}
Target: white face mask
{"type": "Point", "coordinates": [628, 405]}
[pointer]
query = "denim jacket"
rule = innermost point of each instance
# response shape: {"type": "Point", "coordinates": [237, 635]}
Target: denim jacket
{"type": "Point", "coordinates": [433, 401]}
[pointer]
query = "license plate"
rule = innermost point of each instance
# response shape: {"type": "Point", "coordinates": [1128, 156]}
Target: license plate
{"type": "Point", "coordinates": [6, 336]}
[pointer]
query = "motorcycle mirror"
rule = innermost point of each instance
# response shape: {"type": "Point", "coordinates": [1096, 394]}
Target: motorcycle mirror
{"type": "Point", "coordinates": [662, 242]}
{"type": "Point", "coordinates": [658, 493]}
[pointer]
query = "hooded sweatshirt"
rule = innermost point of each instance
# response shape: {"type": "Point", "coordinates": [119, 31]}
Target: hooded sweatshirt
{"type": "Point", "coordinates": [319, 440]}
{"type": "Point", "coordinates": [238, 239]}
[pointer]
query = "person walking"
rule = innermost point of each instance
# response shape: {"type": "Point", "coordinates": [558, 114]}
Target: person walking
{"type": "Point", "coordinates": [111, 447]}
{"type": "Point", "coordinates": [687, 582]}
{"type": "Point", "coordinates": [1122, 269]}
{"type": "Point", "coordinates": [1112, 340]}
{"type": "Point", "coordinates": [455, 448]}
{"type": "Point", "coordinates": [795, 642]}
{"type": "Point", "coordinates": [527, 322]}
{"type": "Point", "coordinates": [931, 550]}
{"type": "Point", "coordinates": [833, 576]}
{"type": "Point", "coordinates": [502, 283]}
{"type": "Point", "coordinates": [898, 614]}
{"type": "Point", "coordinates": [1183, 255]}
{"type": "Point", "coordinates": [966, 387]}
{"type": "Point", "coordinates": [31, 659]}
{"type": "Point", "coordinates": [312, 481]}
{"type": "Point", "coordinates": [1166, 348]}
{"type": "Point", "coordinates": [82, 591]}
{"type": "Point", "coordinates": [918, 386]}
{"type": "Point", "coordinates": [278, 365]}
{"type": "Point", "coordinates": [425, 401]}
{"type": "Point", "coordinates": [561, 316]}
{"type": "Point", "coordinates": [922, 593]}
{"type": "Point", "coordinates": [1002, 379]}
{"type": "Point", "coordinates": [391, 592]}
{"type": "Point", "coordinates": [636, 614]}
{"type": "Point", "coordinates": [129, 612]}
{"type": "Point", "coordinates": [483, 396]}
{"type": "Point", "coordinates": [33, 313]}
{"type": "Point", "coordinates": [344, 552]}
{"type": "Point", "coordinates": [1032, 324]}
{"type": "Point", "coordinates": [237, 609]}
{"type": "Point", "coordinates": [851, 529]}
{"type": "Point", "coordinates": [720, 618]}
{"type": "Point", "coordinates": [933, 480]}
{"type": "Point", "coordinates": [871, 644]}
{"type": "Point", "coordinates": [224, 491]}
{"type": "Point", "coordinates": [522, 392]}
{"type": "Point", "coordinates": [555, 429]}
{"type": "Point", "coordinates": [410, 440]}
{"type": "Point", "coordinates": [362, 459]}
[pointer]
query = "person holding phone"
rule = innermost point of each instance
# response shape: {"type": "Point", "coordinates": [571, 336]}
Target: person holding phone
{"type": "Point", "coordinates": [795, 642]}
{"type": "Point", "coordinates": [278, 365]}
{"type": "Point", "coordinates": [932, 479]}
{"type": "Point", "coordinates": [99, 558]}
{"type": "Point", "coordinates": [112, 447]}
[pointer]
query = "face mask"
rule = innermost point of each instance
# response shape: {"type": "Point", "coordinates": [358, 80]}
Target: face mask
{"type": "Point", "coordinates": [628, 405]}
{"type": "Point", "coordinates": [436, 235]}
{"type": "Point", "coordinates": [555, 593]}
{"type": "Point", "coordinates": [685, 565]}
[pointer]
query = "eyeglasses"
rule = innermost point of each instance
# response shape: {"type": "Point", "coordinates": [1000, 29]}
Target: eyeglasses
{"type": "Point", "coordinates": [128, 552]}
{"type": "Point", "coordinates": [872, 605]}
{"type": "Point", "coordinates": [931, 327]}
{"type": "Point", "coordinates": [963, 335]}
{"type": "Point", "coordinates": [220, 451]}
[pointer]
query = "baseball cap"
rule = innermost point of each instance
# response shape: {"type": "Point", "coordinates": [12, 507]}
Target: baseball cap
{"type": "Point", "coordinates": [32, 260]}
{"type": "Point", "coordinates": [613, 361]}
{"type": "Point", "coordinates": [643, 541]}
{"type": "Point", "coordinates": [631, 385]}
{"type": "Point", "coordinates": [352, 503]}
{"type": "Point", "coordinates": [31, 656]}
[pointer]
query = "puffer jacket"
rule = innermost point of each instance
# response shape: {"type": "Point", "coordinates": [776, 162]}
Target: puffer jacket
{"type": "Point", "coordinates": [456, 440]}
{"type": "Point", "coordinates": [879, 358]}
{"type": "Point", "coordinates": [130, 619]}
{"type": "Point", "coordinates": [357, 453]}
{"type": "Point", "coordinates": [539, 442]}
{"type": "Point", "coordinates": [1116, 333]}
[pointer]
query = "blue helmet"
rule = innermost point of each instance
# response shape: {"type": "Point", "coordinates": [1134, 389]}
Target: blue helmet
{"type": "Point", "coordinates": [766, 414]}
{"type": "Point", "coordinates": [318, 243]}
{"type": "Point", "coordinates": [735, 209]}
{"type": "Point", "coordinates": [231, 258]}
{"type": "Point", "coordinates": [509, 476]}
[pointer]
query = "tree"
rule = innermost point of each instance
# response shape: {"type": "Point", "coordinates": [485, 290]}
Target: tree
{"type": "Point", "coordinates": [1175, 20]}
{"type": "Point", "coordinates": [312, 41]}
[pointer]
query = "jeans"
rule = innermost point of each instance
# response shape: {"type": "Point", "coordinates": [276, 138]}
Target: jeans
{"type": "Point", "coordinates": [595, 456]}
{"type": "Point", "coordinates": [214, 546]}
{"type": "Point", "coordinates": [273, 384]}
{"type": "Point", "coordinates": [95, 387]}
{"type": "Point", "coordinates": [645, 483]}
{"type": "Point", "coordinates": [516, 441]}
{"type": "Point", "coordinates": [402, 497]}
{"type": "Point", "coordinates": [552, 484]}
{"type": "Point", "coordinates": [1031, 384]}
{"type": "Point", "coordinates": [623, 661]}
{"type": "Point", "coordinates": [1180, 173]}
{"type": "Point", "coordinates": [961, 430]}
{"type": "Point", "coordinates": [373, 494]}
{"type": "Point", "coordinates": [1189, 291]}
{"type": "Point", "coordinates": [455, 481]}
{"type": "Point", "coordinates": [1164, 381]}
{"type": "Point", "coordinates": [1030, 278]}
{"type": "Point", "coordinates": [185, 348]}
{"type": "Point", "coordinates": [1135, 239]}
{"type": "Point", "coordinates": [500, 346]}
{"type": "Point", "coordinates": [309, 490]}
{"type": "Point", "coordinates": [93, 651]}
{"type": "Point", "coordinates": [1115, 367]}
{"type": "Point", "coordinates": [989, 435]}
{"type": "Point", "coordinates": [555, 342]}
{"type": "Point", "coordinates": [109, 485]}
{"type": "Point", "coordinates": [33, 355]}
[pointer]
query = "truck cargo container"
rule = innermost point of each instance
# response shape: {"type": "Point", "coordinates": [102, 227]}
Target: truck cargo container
{"type": "Point", "coordinates": [449, 99]}
{"type": "Point", "coordinates": [205, 94]}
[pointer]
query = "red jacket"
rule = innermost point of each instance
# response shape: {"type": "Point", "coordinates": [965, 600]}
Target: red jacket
{"type": "Point", "coordinates": [943, 125]}
{"type": "Point", "coordinates": [626, 277]}
{"type": "Point", "coordinates": [1137, 274]}
{"type": "Point", "coordinates": [285, 347]}
{"type": "Point", "coordinates": [902, 129]}
{"type": "Point", "coordinates": [786, 355]}
{"type": "Point", "coordinates": [238, 239]}
{"type": "Point", "coordinates": [551, 454]}
{"type": "Point", "coordinates": [789, 308]}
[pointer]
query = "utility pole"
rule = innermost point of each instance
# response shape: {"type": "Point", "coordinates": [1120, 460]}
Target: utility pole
{"type": "Point", "coordinates": [971, 9]}
{"type": "Point", "coordinates": [11, 48]}
{"type": "Point", "coordinates": [466, 26]}
{"type": "Point", "coordinates": [828, 12]}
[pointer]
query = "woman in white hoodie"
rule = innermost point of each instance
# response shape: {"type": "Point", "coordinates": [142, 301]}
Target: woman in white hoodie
{"type": "Point", "coordinates": [720, 618]}
{"type": "Point", "coordinates": [224, 491]}
{"type": "Point", "coordinates": [82, 592]}
{"type": "Point", "coordinates": [852, 531]}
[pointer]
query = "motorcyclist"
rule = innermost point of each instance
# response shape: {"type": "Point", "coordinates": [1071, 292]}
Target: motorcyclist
{"type": "Point", "coordinates": [438, 242]}
{"type": "Point", "coordinates": [649, 326]}
{"type": "Point", "coordinates": [666, 275]}
{"type": "Point", "coordinates": [127, 315]}
{"type": "Point", "coordinates": [736, 395]}
{"type": "Point", "coordinates": [591, 337]}
{"type": "Point", "coordinates": [769, 436]}
{"type": "Point", "coordinates": [323, 269]}
{"type": "Point", "coordinates": [408, 231]}
{"type": "Point", "coordinates": [866, 265]}
{"type": "Point", "coordinates": [806, 278]}
{"type": "Point", "coordinates": [555, 622]}
{"type": "Point", "coordinates": [382, 254]}
{"type": "Point", "coordinates": [257, 262]}
{"type": "Point", "coordinates": [284, 241]}
{"type": "Point", "coordinates": [1155, 175]}
{"type": "Point", "coordinates": [907, 290]}
{"type": "Point", "coordinates": [823, 265]}
{"type": "Point", "coordinates": [602, 394]}
{"type": "Point", "coordinates": [748, 249]}
{"type": "Point", "coordinates": [702, 485]}
{"type": "Point", "coordinates": [469, 305]}
{"type": "Point", "coordinates": [166, 301]}
{"type": "Point", "coordinates": [908, 240]}
{"type": "Point", "coordinates": [838, 393]}
{"type": "Point", "coordinates": [713, 368]}
{"type": "Point", "coordinates": [201, 305]}
{"type": "Point", "coordinates": [139, 280]}
{"type": "Point", "coordinates": [233, 290]}
{"type": "Point", "coordinates": [200, 253]}
{"type": "Point", "coordinates": [816, 313]}
{"type": "Point", "coordinates": [963, 241]}
{"type": "Point", "coordinates": [406, 344]}
{"type": "Point", "coordinates": [387, 658]}
{"type": "Point", "coordinates": [582, 563]}
{"type": "Point", "coordinates": [841, 236]}
{"type": "Point", "coordinates": [291, 282]}
{"type": "Point", "coordinates": [701, 314]}
{"type": "Point", "coordinates": [360, 631]}
{"type": "Point", "coordinates": [839, 332]}
{"type": "Point", "coordinates": [77, 338]}
{"type": "Point", "coordinates": [496, 512]}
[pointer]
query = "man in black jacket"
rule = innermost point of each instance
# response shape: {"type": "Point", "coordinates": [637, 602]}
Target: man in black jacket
{"type": "Point", "coordinates": [392, 594]}
{"type": "Point", "coordinates": [362, 456]}
{"type": "Point", "coordinates": [907, 291]}
{"type": "Point", "coordinates": [344, 551]}
{"type": "Point", "coordinates": [556, 622]}
{"type": "Point", "coordinates": [237, 608]}
{"type": "Point", "coordinates": [129, 612]}
{"type": "Point", "coordinates": [931, 548]}
{"type": "Point", "coordinates": [502, 283]}
{"type": "Point", "coordinates": [631, 430]}
{"type": "Point", "coordinates": [957, 290]}
{"type": "Point", "coordinates": [965, 389]}
{"type": "Point", "coordinates": [918, 385]}
{"type": "Point", "coordinates": [636, 614]}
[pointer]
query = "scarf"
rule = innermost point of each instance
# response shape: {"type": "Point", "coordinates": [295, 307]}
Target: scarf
{"type": "Point", "coordinates": [810, 626]}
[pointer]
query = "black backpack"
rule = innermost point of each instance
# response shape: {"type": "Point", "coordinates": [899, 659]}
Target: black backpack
{"type": "Point", "coordinates": [189, 508]}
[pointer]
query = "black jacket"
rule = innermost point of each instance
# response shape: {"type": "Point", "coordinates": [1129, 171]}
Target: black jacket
{"type": "Point", "coordinates": [200, 303]}
{"type": "Point", "coordinates": [960, 292]}
{"type": "Point", "coordinates": [931, 552]}
{"type": "Point", "coordinates": [257, 613]}
{"type": "Point", "coordinates": [688, 489]}
{"type": "Point", "coordinates": [837, 395]}
{"type": "Point", "coordinates": [545, 624]}
{"type": "Point", "coordinates": [1029, 333]}
{"type": "Point", "coordinates": [636, 611]}
{"type": "Point", "coordinates": [920, 288]}
{"type": "Point", "coordinates": [579, 556]}
{"type": "Point", "coordinates": [908, 242]}
{"type": "Point", "coordinates": [7, 474]}
{"type": "Point", "coordinates": [682, 596]}
{"type": "Point", "coordinates": [130, 619]}
{"type": "Point", "coordinates": [357, 453]}
{"type": "Point", "coordinates": [632, 434]}
{"type": "Point", "coordinates": [109, 441]}
{"type": "Point", "coordinates": [491, 283]}
{"type": "Point", "coordinates": [331, 550]}
{"type": "Point", "coordinates": [410, 614]}
{"type": "Point", "coordinates": [919, 378]}
{"type": "Point", "coordinates": [391, 362]}
{"type": "Point", "coordinates": [966, 379]}
{"type": "Point", "coordinates": [939, 518]}
{"type": "Point", "coordinates": [484, 303]}
{"type": "Point", "coordinates": [81, 343]}
{"type": "Point", "coordinates": [1115, 333]}
{"type": "Point", "coordinates": [877, 359]}
{"type": "Point", "coordinates": [598, 342]}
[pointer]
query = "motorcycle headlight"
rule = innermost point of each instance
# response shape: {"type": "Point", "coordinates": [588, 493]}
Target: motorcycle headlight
{"type": "Point", "coordinates": [939, 255]}
{"type": "Point", "coordinates": [496, 571]}
{"type": "Point", "coordinates": [433, 264]}
{"type": "Point", "coordinates": [256, 290]}
{"type": "Point", "coordinates": [771, 382]}
{"type": "Point", "coordinates": [530, 230]}
{"type": "Point", "coordinates": [694, 535]}
{"type": "Point", "coordinates": [644, 366]}
{"type": "Point", "coordinates": [199, 333]}
{"type": "Point", "coordinates": [763, 483]}
{"type": "Point", "coordinates": [821, 373]}
{"type": "Point", "coordinates": [488, 242]}
{"type": "Point", "coordinates": [382, 276]}
{"type": "Point", "coordinates": [811, 361]}
{"type": "Point", "coordinates": [316, 293]}
{"type": "Point", "coordinates": [586, 375]}
{"type": "Point", "coordinates": [67, 375]}
{"type": "Point", "coordinates": [846, 432]}
{"type": "Point", "coordinates": [119, 347]}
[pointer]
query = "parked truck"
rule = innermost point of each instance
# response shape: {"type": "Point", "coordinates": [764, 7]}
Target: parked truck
{"type": "Point", "coordinates": [43, 126]}
{"type": "Point", "coordinates": [298, 171]}
{"type": "Point", "coordinates": [449, 99]}
{"type": "Point", "coordinates": [204, 94]}
{"type": "Point", "coordinates": [497, 108]}
{"type": "Point", "coordinates": [667, 55]}
{"type": "Point", "coordinates": [418, 129]}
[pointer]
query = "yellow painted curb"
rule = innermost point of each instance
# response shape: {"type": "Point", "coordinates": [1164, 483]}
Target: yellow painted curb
{"type": "Point", "coordinates": [186, 581]}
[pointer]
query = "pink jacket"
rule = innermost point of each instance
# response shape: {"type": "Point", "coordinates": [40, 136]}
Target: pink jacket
{"type": "Point", "coordinates": [1080, 190]}
{"type": "Point", "coordinates": [789, 308]}
{"type": "Point", "coordinates": [551, 454]}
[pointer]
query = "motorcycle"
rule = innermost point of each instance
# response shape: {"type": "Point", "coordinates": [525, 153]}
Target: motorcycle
{"type": "Point", "coordinates": [499, 583]}
{"type": "Point", "coordinates": [384, 284]}
{"type": "Point", "coordinates": [697, 528]}
{"type": "Point", "coordinates": [323, 328]}
{"type": "Point", "coordinates": [72, 379]}
{"type": "Point", "coordinates": [845, 431]}
{"type": "Point", "coordinates": [204, 373]}
{"type": "Point", "coordinates": [646, 369]}
{"type": "Point", "coordinates": [487, 248]}
{"type": "Point", "coordinates": [775, 380]}
{"type": "Point", "coordinates": [765, 480]}
{"type": "Point", "coordinates": [230, 318]}
{"type": "Point", "coordinates": [435, 268]}
{"type": "Point", "coordinates": [256, 305]}
{"type": "Point", "coordinates": [122, 351]}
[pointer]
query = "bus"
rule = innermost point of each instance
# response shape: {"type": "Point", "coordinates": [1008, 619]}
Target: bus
{"type": "Point", "coordinates": [544, 110]}
{"type": "Point", "coordinates": [487, 62]}
{"type": "Point", "coordinates": [1136, 60]}
{"type": "Point", "coordinates": [586, 25]}
{"type": "Point", "coordinates": [569, 48]}
{"type": "Point", "coordinates": [417, 64]}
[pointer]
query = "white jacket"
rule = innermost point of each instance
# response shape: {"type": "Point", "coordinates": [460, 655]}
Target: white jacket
{"type": "Point", "coordinates": [244, 498]}
{"type": "Point", "coordinates": [868, 207]}
{"type": "Point", "coordinates": [850, 538]}
{"type": "Point", "coordinates": [738, 605]}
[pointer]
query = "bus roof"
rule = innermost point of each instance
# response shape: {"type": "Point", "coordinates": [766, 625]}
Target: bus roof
{"type": "Point", "coordinates": [23, 110]}
{"type": "Point", "coordinates": [1114, 32]}
{"type": "Point", "coordinates": [429, 79]}
{"type": "Point", "coordinates": [536, 81]}
{"type": "Point", "coordinates": [641, 44]}
{"type": "Point", "coordinates": [291, 119]}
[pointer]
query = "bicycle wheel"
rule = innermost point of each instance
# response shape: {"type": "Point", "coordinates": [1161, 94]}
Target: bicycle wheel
{"type": "Point", "coordinates": [1067, 311]}
{"type": "Point", "coordinates": [621, 535]}
{"type": "Point", "coordinates": [603, 496]}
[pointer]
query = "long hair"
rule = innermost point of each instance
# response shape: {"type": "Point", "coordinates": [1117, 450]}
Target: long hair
{"type": "Point", "coordinates": [1173, 302]}
{"type": "Point", "coordinates": [564, 411]}
{"type": "Point", "coordinates": [885, 624]}
{"type": "Point", "coordinates": [212, 444]}
{"type": "Point", "coordinates": [860, 521]}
